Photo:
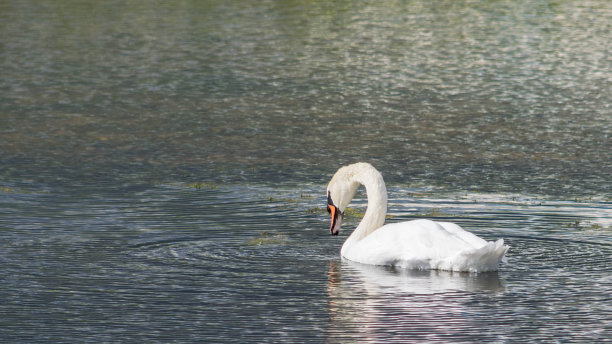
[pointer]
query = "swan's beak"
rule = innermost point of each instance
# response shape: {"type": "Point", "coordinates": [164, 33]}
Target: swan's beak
{"type": "Point", "coordinates": [336, 219]}
{"type": "Point", "coordinates": [336, 215]}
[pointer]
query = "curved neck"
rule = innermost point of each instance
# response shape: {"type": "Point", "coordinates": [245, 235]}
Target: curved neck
{"type": "Point", "coordinates": [376, 211]}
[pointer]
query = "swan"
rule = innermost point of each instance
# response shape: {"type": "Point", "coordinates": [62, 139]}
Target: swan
{"type": "Point", "coordinates": [419, 244]}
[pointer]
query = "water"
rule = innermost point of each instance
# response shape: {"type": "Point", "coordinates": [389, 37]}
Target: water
{"type": "Point", "coordinates": [163, 168]}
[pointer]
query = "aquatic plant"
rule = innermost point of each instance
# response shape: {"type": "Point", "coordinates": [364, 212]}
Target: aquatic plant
{"type": "Point", "coordinates": [267, 238]}
{"type": "Point", "coordinates": [352, 213]}
{"type": "Point", "coordinates": [204, 185]}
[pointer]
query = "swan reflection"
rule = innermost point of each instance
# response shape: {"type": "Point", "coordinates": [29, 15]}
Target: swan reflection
{"type": "Point", "coordinates": [382, 304]}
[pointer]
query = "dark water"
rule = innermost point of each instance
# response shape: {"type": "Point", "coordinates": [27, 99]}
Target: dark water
{"type": "Point", "coordinates": [163, 167]}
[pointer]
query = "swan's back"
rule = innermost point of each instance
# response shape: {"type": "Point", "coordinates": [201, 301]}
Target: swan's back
{"type": "Point", "coordinates": [425, 244]}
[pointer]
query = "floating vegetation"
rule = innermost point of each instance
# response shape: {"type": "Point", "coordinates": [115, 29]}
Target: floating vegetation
{"type": "Point", "coordinates": [267, 238]}
{"type": "Point", "coordinates": [204, 185]}
{"type": "Point", "coordinates": [579, 224]}
{"type": "Point", "coordinates": [434, 212]}
{"type": "Point", "coordinates": [585, 199]}
{"type": "Point", "coordinates": [289, 200]}
{"type": "Point", "coordinates": [352, 213]}
{"type": "Point", "coordinates": [348, 213]}
{"type": "Point", "coordinates": [315, 210]}
{"type": "Point", "coordinates": [420, 194]}
{"type": "Point", "coordinates": [18, 190]}
{"type": "Point", "coordinates": [283, 200]}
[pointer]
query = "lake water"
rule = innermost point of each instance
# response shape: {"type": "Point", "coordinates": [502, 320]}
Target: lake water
{"type": "Point", "coordinates": [163, 168]}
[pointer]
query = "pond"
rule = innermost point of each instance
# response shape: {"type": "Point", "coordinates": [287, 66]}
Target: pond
{"type": "Point", "coordinates": [163, 168]}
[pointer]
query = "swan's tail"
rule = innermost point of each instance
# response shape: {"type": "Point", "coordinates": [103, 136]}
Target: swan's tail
{"type": "Point", "coordinates": [486, 258]}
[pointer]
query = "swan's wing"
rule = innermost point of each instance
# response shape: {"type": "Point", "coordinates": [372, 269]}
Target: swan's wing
{"type": "Point", "coordinates": [425, 244]}
{"type": "Point", "coordinates": [485, 258]}
{"type": "Point", "coordinates": [415, 243]}
{"type": "Point", "coordinates": [464, 235]}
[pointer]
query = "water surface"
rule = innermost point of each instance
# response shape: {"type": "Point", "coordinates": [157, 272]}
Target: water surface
{"type": "Point", "coordinates": [163, 168]}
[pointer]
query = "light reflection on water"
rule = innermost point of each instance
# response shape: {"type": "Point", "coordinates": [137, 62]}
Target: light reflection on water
{"type": "Point", "coordinates": [491, 114]}
{"type": "Point", "coordinates": [498, 96]}
{"type": "Point", "coordinates": [189, 262]}
{"type": "Point", "coordinates": [376, 304]}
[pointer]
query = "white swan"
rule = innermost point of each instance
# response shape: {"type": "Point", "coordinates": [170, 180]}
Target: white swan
{"type": "Point", "coordinates": [418, 244]}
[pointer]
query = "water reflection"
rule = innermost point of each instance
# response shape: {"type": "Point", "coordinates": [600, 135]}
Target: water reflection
{"type": "Point", "coordinates": [377, 279]}
{"type": "Point", "coordinates": [371, 302]}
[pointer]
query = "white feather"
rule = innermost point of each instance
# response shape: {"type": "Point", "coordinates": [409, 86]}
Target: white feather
{"type": "Point", "coordinates": [418, 244]}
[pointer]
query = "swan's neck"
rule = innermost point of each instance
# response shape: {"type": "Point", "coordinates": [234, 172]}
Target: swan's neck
{"type": "Point", "coordinates": [376, 211]}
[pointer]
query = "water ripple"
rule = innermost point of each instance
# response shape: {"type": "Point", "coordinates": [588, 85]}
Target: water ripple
{"type": "Point", "coordinates": [162, 168]}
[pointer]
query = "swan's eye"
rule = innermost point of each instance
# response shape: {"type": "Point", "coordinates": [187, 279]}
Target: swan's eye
{"type": "Point", "coordinates": [329, 209]}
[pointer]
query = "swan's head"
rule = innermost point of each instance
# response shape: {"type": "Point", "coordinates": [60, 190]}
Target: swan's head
{"type": "Point", "coordinates": [340, 191]}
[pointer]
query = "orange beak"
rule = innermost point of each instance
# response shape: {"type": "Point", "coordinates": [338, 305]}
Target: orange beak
{"type": "Point", "coordinates": [336, 215]}
{"type": "Point", "coordinates": [336, 219]}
